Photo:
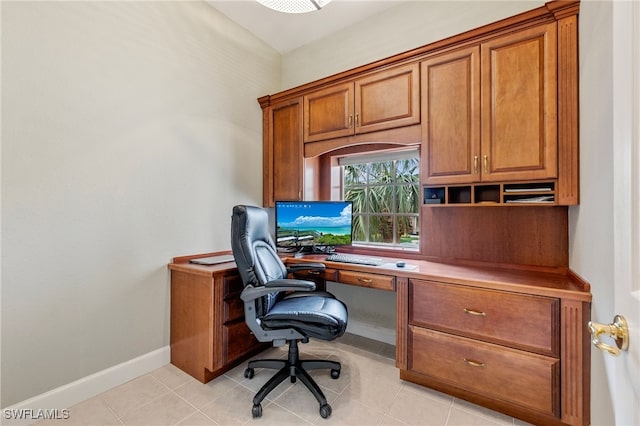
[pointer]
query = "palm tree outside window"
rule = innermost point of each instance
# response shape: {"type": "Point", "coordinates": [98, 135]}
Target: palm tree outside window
{"type": "Point", "coordinates": [384, 190]}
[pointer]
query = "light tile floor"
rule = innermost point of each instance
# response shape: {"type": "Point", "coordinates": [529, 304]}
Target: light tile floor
{"type": "Point", "coordinates": [368, 392]}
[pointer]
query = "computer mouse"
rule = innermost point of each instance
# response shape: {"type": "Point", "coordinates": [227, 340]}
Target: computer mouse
{"type": "Point", "coordinates": [400, 264]}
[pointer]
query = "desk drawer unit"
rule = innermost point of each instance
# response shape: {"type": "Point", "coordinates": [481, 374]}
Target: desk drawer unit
{"type": "Point", "coordinates": [208, 333]}
{"type": "Point", "coordinates": [519, 377]}
{"type": "Point", "coordinates": [517, 320]}
{"type": "Point", "coordinates": [379, 281]}
{"type": "Point", "coordinates": [490, 343]}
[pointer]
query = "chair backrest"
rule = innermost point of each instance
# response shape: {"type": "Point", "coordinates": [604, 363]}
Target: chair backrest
{"type": "Point", "coordinates": [255, 252]}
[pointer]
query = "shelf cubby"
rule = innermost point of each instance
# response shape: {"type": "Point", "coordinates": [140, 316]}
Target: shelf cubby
{"type": "Point", "coordinates": [529, 193]}
{"type": "Point", "coordinates": [486, 194]}
{"type": "Point", "coordinates": [434, 195]}
{"type": "Point", "coordinates": [459, 195]}
{"type": "Point", "coordinates": [491, 194]}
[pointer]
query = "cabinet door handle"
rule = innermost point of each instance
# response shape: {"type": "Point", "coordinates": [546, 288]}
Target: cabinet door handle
{"type": "Point", "coordinates": [350, 120]}
{"type": "Point", "coordinates": [357, 119]}
{"type": "Point", "coordinates": [365, 280]}
{"type": "Point", "coordinates": [475, 164]}
{"type": "Point", "coordinates": [485, 161]}
{"type": "Point", "coordinates": [474, 312]}
{"type": "Point", "coordinates": [474, 363]}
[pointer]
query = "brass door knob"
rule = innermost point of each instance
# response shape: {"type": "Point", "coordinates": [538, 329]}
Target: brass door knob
{"type": "Point", "coordinates": [618, 331]}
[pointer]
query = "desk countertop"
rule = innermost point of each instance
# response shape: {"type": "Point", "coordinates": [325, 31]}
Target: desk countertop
{"type": "Point", "coordinates": [518, 280]}
{"type": "Point", "coordinates": [563, 283]}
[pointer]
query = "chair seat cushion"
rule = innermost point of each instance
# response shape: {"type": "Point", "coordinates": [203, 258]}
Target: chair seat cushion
{"type": "Point", "coordinates": [315, 316]}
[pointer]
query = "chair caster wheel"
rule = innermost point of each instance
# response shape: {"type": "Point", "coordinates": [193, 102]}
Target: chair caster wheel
{"type": "Point", "coordinates": [256, 411]}
{"type": "Point", "coordinates": [335, 374]}
{"type": "Point", "coordinates": [325, 411]}
{"type": "Point", "coordinates": [248, 373]}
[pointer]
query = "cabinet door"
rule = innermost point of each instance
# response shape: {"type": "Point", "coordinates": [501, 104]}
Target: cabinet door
{"type": "Point", "coordinates": [519, 105]}
{"type": "Point", "coordinates": [283, 174]}
{"type": "Point", "coordinates": [451, 117]}
{"type": "Point", "coordinates": [328, 113]}
{"type": "Point", "coordinates": [387, 99]}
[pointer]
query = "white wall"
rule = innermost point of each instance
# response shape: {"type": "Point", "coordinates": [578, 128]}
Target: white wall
{"type": "Point", "coordinates": [129, 130]}
{"type": "Point", "coordinates": [398, 29]}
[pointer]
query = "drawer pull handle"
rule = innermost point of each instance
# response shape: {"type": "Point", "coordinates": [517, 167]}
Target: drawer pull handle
{"type": "Point", "coordinates": [474, 312]}
{"type": "Point", "coordinates": [474, 363]}
{"type": "Point", "coordinates": [365, 280]}
{"type": "Point", "coordinates": [316, 273]}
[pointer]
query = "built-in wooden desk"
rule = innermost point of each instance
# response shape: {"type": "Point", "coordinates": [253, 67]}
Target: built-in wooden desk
{"type": "Point", "coordinates": [512, 340]}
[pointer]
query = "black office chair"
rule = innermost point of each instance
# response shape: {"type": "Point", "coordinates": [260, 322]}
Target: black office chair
{"type": "Point", "coordinates": [282, 310]}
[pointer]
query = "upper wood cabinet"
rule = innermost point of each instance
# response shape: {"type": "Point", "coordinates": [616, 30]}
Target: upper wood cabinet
{"type": "Point", "coordinates": [451, 117]}
{"type": "Point", "coordinates": [283, 159]}
{"type": "Point", "coordinates": [519, 102]}
{"type": "Point", "coordinates": [489, 111]}
{"type": "Point", "coordinates": [496, 106]}
{"type": "Point", "coordinates": [378, 101]}
{"type": "Point", "coordinates": [328, 113]}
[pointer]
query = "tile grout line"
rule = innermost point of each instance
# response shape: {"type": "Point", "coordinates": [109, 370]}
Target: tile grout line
{"type": "Point", "coordinates": [395, 397]}
{"type": "Point", "coordinates": [172, 391]}
{"type": "Point", "coordinates": [446, 422]}
{"type": "Point", "coordinates": [120, 418]}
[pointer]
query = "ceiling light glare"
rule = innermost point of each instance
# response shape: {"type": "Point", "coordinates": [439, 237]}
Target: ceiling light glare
{"type": "Point", "coordinates": [294, 6]}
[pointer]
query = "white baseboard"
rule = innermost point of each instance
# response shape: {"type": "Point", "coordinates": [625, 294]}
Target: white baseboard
{"type": "Point", "coordinates": [372, 331]}
{"type": "Point", "coordinates": [87, 387]}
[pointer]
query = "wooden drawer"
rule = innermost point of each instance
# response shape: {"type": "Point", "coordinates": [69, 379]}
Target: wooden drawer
{"type": "Point", "coordinates": [233, 309]}
{"type": "Point", "coordinates": [381, 282]}
{"type": "Point", "coordinates": [327, 274]}
{"type": "Point", "coordinates": [232, 285]}
{"type": "Point", "coordinates": [518, 377]}
{"type": "Point", "coordinates": [237, 340]}
{"type": "Point", "coordinates": [232, 305]}
{"type": "Point", "coordinates": [516, 320]}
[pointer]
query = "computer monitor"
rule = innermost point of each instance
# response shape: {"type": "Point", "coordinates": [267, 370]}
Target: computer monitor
{"type": "Point", "coordinates": [309, 225]}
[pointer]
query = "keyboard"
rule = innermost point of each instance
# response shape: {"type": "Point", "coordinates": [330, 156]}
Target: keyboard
{"type": "Point", "coordinates": [350, 258]}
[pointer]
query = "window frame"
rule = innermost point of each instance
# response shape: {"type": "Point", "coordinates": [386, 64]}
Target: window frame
{"type": "Point", "coordinates": [393, 157]}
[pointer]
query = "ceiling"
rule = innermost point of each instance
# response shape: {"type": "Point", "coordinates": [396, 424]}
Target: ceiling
{"type": "Point", "coordinates": [285, 32]}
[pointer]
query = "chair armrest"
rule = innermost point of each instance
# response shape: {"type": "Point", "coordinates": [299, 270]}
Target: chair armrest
{"type": "Point", "coordinates": [312, 266]}
{"type": "Point", "coordinates": [252, 293]}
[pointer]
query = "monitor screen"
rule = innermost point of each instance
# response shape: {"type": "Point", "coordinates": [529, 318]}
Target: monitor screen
{"type": "Point", "coordinates": [313, 223]}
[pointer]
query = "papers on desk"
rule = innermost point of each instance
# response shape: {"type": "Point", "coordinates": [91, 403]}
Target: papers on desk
{"type": "Point", "coordinates": [213, 260]}
{"type": "Point", "coordinates": [392, 265]}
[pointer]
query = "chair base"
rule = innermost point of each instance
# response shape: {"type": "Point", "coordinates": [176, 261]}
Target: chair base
{"type": "Point", "coordinates": [295, 368]}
